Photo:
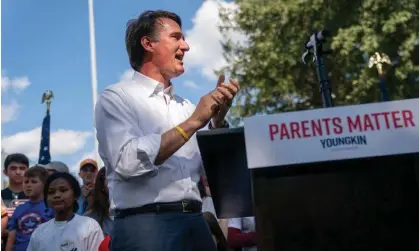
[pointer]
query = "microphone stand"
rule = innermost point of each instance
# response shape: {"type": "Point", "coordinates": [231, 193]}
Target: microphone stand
{"type": "Point", "coordinates": [316, 43]}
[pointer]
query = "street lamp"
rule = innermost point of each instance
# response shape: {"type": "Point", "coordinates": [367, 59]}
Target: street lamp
{"type": "Point", "coordinates": [379, 60]}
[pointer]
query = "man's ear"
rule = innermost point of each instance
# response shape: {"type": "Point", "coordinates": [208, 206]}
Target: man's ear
{"type": "Point", "coordinates": [80, 174]}
{"type": "Point", "coordinates": [5, 172]}
{"type": "Point", "coordinates": [147, 44]}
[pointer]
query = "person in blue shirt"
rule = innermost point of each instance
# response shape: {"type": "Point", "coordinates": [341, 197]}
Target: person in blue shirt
{"type": "Point", "coordinates": [88, 172]}
{"type": "Point", "coordinates": [27, 217]}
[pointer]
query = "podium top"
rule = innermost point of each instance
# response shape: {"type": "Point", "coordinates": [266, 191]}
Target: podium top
{"type": "Point", "coordinates": [346, 132]}
{"type": "Point", "coordinates": [220, 132]}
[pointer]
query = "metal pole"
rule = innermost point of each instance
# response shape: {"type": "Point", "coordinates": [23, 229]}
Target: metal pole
{"type": "Point", "coordinates": [93, 74]}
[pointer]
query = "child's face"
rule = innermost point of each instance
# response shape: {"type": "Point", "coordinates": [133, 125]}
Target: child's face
{"type": "Point", "coordinates": [60, 195]}
{"type": "Point", "coordinates": [33, 187]}
{"type": "Point", "coordinates": [15, 172]}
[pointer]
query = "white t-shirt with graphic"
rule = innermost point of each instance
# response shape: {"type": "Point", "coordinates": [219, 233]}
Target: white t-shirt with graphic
{"type": "Point", "coordinates": [79, 234]}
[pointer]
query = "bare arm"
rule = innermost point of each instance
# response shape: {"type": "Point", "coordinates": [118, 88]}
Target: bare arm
{"type": "Point", "coordinates": [172, 140]}
{"type": "Point", "coordinates": [4, 217]}
{"type": "Point", "coordinates": [224, 226]}
{"type": "Point", "coordinates": [11, 238]}
{"type": "Point", "coordinates": [4, 221]}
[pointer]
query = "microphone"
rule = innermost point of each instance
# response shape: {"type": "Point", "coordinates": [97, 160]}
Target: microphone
{"type": "Point", "coordinates": [319, 36]}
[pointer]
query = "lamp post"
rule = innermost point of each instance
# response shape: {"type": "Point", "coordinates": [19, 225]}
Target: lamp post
{"type": "Point", "coordinates": [378, 60]}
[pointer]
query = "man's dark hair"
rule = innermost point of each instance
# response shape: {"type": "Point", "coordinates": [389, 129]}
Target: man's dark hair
{"type": "Point", "coordinates": [144, 25]}
{"type": "Point", "coordinates": [16, 157]}
{"type": "Point", "coordinates": [37, 171]}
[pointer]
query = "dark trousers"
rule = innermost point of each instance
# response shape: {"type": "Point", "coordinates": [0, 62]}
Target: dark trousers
{"type": "Point", "coordinates": [170, 231]}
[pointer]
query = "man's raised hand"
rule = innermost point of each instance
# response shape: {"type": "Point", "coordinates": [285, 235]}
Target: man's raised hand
{"type": "Point", "coordinates": [215, 104]}
{"type": "Point", "coordinates": [226, 93]}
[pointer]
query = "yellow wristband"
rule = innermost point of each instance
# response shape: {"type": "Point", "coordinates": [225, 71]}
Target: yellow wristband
{"type": "Point", "coordinates": [182, 132]}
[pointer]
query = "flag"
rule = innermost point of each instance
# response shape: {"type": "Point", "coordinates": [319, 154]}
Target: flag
{"type": "Point", "coordinates": [44, 154]}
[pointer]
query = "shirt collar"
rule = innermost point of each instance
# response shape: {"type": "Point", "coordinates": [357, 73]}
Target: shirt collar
{"type": "Point", "coordinates": [154, 86]}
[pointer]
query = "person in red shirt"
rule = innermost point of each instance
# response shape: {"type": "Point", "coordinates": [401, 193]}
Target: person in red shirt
{"type": "Point", "coordinates": [104, 246]}
{"type": "Point", "coordinates": [241, 234]}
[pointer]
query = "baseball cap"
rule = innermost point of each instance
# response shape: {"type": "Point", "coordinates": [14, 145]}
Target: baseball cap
{"type": "Point", "coordinates": [88, 162]}
{"type": "Point", "coordinates": [57, 166]}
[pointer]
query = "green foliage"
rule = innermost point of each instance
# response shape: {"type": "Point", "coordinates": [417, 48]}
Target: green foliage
{"type": "Point", "coordinates": [269, 65]}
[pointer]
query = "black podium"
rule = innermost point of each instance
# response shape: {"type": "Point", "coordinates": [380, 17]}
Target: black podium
{"type": "Point", "coordinates": [346, 203]}
{"type": "Point", "coordinates": [224, 155]}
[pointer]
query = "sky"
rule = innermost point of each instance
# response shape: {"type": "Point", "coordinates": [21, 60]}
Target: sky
{"type": "Point", "coordinates": [45, 46]}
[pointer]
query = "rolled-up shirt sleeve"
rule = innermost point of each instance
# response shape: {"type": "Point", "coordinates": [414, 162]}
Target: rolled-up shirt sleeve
{"type": "Point", "coordinates": [121, 142]}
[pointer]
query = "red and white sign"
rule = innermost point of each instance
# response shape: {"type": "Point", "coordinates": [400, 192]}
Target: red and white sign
{"type": "Point", "coordinates": [332, 134]}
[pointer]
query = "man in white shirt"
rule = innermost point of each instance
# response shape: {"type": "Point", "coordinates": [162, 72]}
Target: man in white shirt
{"type": "Point", "coordinates": [147, 141]}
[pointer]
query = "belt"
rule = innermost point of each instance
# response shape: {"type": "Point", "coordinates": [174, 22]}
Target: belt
{"type": "Point", "coordinates": [184, 206]}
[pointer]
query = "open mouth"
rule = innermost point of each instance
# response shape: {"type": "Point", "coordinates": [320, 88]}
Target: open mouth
{"type": "Point", "coordinates": [179, 57]}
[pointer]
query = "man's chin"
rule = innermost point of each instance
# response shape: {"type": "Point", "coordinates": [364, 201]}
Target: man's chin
{"type": "Point", "coordinates": [179, 71]}
{"type": "Point", "coordinates": [176, 72]}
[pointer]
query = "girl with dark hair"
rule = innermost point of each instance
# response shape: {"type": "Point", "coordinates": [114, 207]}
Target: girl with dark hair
{"type": "Point", "coordinates": [67, 231]}
{"type": "Point", "coordinates": [99, 207]}
{"type": "Point", "coordinates": [216, 232]}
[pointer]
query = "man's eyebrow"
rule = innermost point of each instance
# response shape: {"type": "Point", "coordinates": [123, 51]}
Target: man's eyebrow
{"type": "Point", "coordinates": [178, 33]}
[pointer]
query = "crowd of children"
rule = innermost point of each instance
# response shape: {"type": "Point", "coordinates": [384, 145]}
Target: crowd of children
{"type": "Point", "coordinates": [68, 231]}
{"type": "Point", "coordinates": [45, 208]}
{"type": "Point", "coordinates": [40, 206]}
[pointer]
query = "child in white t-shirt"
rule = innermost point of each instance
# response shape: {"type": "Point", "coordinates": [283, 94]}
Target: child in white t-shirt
{"type": "Point", "coordinates": [68, 231]}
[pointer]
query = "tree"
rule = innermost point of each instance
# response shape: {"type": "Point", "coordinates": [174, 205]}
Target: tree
{"type": "Point", "coordinates": [269, 67]}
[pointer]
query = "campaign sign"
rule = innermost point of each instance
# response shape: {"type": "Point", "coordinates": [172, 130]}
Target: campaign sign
{"type": "Point", "coordinates": [336, 133]}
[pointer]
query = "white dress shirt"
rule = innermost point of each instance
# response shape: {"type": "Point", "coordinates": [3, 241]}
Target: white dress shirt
{"type": "Point", "coordinates": [130, 118]}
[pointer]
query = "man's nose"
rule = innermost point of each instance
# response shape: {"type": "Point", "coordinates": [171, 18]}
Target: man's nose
{"type": "Point", "coordinates": [185, 46]}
